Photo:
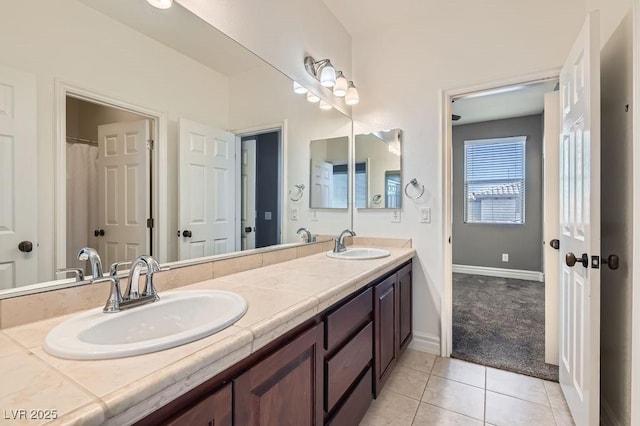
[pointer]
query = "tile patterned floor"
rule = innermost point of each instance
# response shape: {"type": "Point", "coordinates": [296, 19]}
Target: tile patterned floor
{"type": "Point", "coordinates": [428, 390]}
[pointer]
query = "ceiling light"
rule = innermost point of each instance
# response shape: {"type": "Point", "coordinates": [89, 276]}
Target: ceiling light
{"type": "Point", "coordinates": [325, 105]}
{"type": "Point", "coordinates": [313, 98]}
{"type": "Point", "coordinates": [340, 89]}
{"type": "Point", "coordinates": [299, 88]}
{"type": "Point", "coordinates": [352, 96]}
{"type": "Point", "coordinates": [160, 4]}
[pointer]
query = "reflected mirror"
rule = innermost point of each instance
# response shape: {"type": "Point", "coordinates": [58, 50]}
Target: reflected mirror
{"type": "Point", "coordinates": [378, 170]}
{"type": "Point", "coordinates": [329, 173]}
{"type": "Point", "coordinates": [170, 139]}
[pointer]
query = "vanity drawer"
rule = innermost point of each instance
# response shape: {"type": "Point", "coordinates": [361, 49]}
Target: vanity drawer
{"type": "Point", "coordinates": [347, 319]}
{"type": "Point", "coordinates": [355, 407]}
{"type": "Point", "coordinates": [345, 366]}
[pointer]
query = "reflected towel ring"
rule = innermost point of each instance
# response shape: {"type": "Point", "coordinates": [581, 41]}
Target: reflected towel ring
{"type": "Point", "coordinates": [414, 182]}
{"type": "Point", "coordinates": [296, 195]}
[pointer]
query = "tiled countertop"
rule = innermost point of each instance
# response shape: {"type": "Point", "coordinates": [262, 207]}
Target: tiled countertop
{"type": "Point", "coordinates": [122, 391]}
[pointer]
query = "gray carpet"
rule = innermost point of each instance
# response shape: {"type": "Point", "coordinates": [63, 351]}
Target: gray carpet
{"type": "Point", "coordinates": [499, 322]}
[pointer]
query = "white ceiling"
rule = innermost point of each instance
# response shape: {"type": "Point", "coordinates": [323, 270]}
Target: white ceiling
{"type": "Point", "coordinates": [201, 42]}
{"type": "Point", "coordinates": [526, 100]}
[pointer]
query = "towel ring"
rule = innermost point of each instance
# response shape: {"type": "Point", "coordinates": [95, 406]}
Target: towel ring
{"type": "Point", "coordinates": [299, 192]}
{"type": "Point", "coordinates": [414, 182]}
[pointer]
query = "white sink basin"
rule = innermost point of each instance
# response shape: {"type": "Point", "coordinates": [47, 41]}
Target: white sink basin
{"type": "Point", "coordinates": [360, 253]}
{"type": "Point", "coordinates": [177, 318]}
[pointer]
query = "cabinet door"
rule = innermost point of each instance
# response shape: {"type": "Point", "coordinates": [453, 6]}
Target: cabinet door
{"type": "Point", "coordinates": [405, 308]}
{"type": "Point", "coordinates": [386, 330]}
{"type": "Point", "coordinates": [285, 388]}
{"type": "Point", "coordinates": [213, 410]}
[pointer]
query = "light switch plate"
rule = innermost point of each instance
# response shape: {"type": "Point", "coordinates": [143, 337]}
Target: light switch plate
{"type": "Point", "coordinates": [314, 215]}
{"type": "Point", "coordinates": [395, 216]}
{"type": "Point", "coordinates": [293, 213]}
{"type": "Point", "coordinates": [425, 214]}
{"type": "Point", "coordinates": [267, 215]}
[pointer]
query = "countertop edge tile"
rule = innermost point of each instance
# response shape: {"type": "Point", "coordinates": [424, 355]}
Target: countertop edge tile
{"type": "Point", "coordinates": [88, 415]}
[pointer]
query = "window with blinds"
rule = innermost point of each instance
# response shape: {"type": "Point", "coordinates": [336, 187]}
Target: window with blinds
{"type": "Point", "coordinates": [494, 180]}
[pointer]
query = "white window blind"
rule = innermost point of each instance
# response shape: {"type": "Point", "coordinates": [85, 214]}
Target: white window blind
{"type": "Point", "coordinates": [494, 180]}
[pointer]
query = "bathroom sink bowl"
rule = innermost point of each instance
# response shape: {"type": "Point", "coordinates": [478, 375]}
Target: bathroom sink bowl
{"type": "Point", "coordinates": [177, 318]}
{"type": "Point", "coordinates": [360, 253]}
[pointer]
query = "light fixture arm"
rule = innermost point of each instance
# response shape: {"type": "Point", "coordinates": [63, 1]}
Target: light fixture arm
{"type": "Point", "coordinates": [312, 66]}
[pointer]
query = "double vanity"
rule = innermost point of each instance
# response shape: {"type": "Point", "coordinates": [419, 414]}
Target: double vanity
{"type": "Point", "coordinates": [316, 343]}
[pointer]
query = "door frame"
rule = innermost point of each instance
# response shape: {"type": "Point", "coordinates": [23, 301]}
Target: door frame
{"type": "Point", "coordinates": [446, 95]}
{"type": "Point", "coordinates": [252, 131]}
{"type": "Point", "coordinates": [159, 183]}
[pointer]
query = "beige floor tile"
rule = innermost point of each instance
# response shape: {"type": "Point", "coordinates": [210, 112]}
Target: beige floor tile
{"type": "Point", "coordinates": [391, 409]}
{"type": "Point", "coordinates": [563, 417]}
{"type": "Point", "coordinates": [430, 415]}
{"type": "Point", "coordinates": [407, 382]}
{"type": "Point", "coordinates": [455, 396]}
{"type": "Point", "coordinates": [556, 398]}
{"type": "Point", "coordinates": [503, 410]}
{"type": "Point", "coordinates": [460, 371]}
{"type": "Point", "coordinates": [417, 360]}
{"type": "Point", "coordinates": [516, 385]}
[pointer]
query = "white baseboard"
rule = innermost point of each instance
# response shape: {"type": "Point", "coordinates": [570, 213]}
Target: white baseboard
{"type": "Point", "coordinates": [425, 343]}
{"type": "Point", "coordinates": [499, 272]}
{"type": "Point", "coordinates": [608, 416]}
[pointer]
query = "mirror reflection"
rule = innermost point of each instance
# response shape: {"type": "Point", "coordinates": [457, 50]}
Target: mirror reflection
{"type": "Point", "coordinates": [329, 173]}
{"type": "Point", "coordinates": [170, 139]}
{"type": "Point", "coordinates": [378, 170]}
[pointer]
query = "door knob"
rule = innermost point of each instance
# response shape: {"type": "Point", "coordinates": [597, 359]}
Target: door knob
{"type": "Point", "coordinates": [248, 229]}
{"type": "Point", "coordinates": [612, 261]}
{"type": "Point", "coordinates": [25, 246]}
{"type": "Point", "coordinates": [98, 233]}
{"type": "Point", "coordinates": [186, 233]}
{"type": "Point", "coordinates": [555, 244]}
{"type": "Point", "coordinates": [571, 259]}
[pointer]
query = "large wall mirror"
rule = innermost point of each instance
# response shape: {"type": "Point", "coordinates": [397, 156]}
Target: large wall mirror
{"type": "Point", "coordinates": [378, 170]}
{"type": "Point", "coordinates": [144, 131]}
{"type": "Point", "coordinates": [329, 173]}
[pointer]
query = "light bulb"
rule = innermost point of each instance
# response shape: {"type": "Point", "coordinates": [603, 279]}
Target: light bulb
{"type": "Point", "coordinates": [313, 98]}
{"type": "Point", "coordinates": [340, 89]}
{"type": "Point", "coordinates": [352, 96]}
{"type": "Point", "coordinates": [328, 75]}
{"type": "Point", "coordinates": [325, 105]}
{"type": "Point", "coordinates": [299, 88]}
{"type": "Point", "coordinates": [160, 4]}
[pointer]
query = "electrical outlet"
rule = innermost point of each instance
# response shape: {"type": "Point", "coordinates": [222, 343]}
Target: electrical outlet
{"type": "Point", "coordinates": [425, 214]}
{"type": "Point", "coordinates": [314, 215]}
{"type": "Point", "coordinates": [293, 213]}
{"type": "Point", "coordinates": [505, 257]}
{"type": "Point", "coordinates": [395, 216]}
{"type": "Point", "coordinates": [267, 215]}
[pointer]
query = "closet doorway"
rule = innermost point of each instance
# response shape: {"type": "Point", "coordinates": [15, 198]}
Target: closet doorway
{"type": "Point", "coordinates": [108, 181]}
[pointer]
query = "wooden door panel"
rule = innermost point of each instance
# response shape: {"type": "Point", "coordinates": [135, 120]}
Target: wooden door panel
{"type": "Point", "coordinates": [215, 410]}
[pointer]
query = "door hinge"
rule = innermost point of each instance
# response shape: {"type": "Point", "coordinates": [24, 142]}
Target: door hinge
{"type": "Point", "coordinates": [150, 144]}
{"type": "Point", "coordinates": [150, 222]}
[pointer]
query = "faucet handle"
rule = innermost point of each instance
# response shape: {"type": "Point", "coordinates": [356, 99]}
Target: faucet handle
{"type": "Point", "coordinates": [113, 270]}
{"type": "Point", "coordinates": [79, 272]}
{"type": "Point", "coordinates": [115, 297]}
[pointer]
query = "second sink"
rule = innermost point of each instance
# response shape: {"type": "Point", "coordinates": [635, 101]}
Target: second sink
{"type": "Point", "coordinates": [360, 253]}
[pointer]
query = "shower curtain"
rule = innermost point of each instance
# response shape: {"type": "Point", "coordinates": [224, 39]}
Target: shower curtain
{"type": "Point", "coordinates": [82, 200]}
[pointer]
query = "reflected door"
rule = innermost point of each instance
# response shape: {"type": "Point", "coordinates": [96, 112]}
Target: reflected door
{"type": "Point", "coordinates": [321, 184]}
{"type": "Point", "coordinates": [207, 191]}
{"type": "Point", "coordinates": [123, 190]}
{"type": "Point", "coordinates": [18, 186]}
{"type": "Point", "coordinates": [580, 225]}
{"type": "Point", "coordinates": [248, 205]}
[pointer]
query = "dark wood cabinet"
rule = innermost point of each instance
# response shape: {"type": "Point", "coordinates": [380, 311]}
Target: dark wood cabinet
{"type": "Point", "coordinates": [286, 387]}
{"type": "Point", "coordinates": [215, 409]}
{"type": "Point", "coordinates": [386, 341]}
{"type": "Point", "coordinates": [405, 301]}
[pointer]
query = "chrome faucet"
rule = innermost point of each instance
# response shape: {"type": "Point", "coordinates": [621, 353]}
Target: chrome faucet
{"type": "Point", "coordinates": [339, 245]}
{"type": "Point", "coordinates": [149, 293]}
{"type": "Point", "coordinates": [92, 256]}
{"type": "Point", "coordinates": [308, 238]}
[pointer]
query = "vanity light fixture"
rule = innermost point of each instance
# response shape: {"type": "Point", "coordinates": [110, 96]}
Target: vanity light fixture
{"type": "Point", "coordinates": [352, 97]}
{"type": "Point", "coordinates": [160, 4]}
{"type": "Point", "coordinates": [313, 98]}
{"type": "Point", "coordinates": [299, 88]}
{"type": "Point", "coordinates": [340, 89]}
{"type": "Point", "coordinates": [325, 105]}
{"type": "Point", "coordinates": [321, 70]}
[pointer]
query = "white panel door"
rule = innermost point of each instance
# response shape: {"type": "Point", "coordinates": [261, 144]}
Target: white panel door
{"type": "Point", "coordinates": [207, 217]}
{"type": "Point", "coordinates": [18, 185]}
{"type": "Point", "coordinates": [123, 190]}
{"type": "Point", "coordinates": [321, 184]}
{"type": "Point", "coordinates": [580, 225]}
{"type": "Point", "coordinates": [248, 205]}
